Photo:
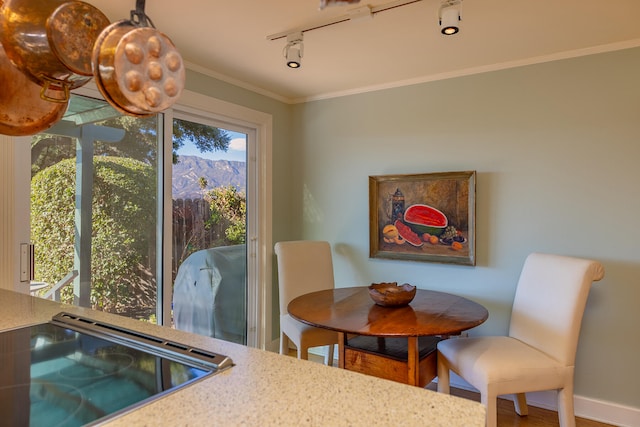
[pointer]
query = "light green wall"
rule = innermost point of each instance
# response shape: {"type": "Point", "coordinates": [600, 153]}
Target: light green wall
{"type": "Point", "coordinates": [556, 148]}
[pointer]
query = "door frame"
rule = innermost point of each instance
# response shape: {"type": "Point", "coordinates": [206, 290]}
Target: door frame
{"type": "Point", "coordinates": [15, 196]}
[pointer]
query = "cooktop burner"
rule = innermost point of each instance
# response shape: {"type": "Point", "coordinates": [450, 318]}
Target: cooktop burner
{"type": "Point", "coordinates": [75, 371]}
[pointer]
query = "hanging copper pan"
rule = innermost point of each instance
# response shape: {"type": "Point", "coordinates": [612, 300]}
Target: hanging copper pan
{"type": "Point", "coordinates": [137, 68]}
{"type": "Point", "coordinates": [22, 111]}
{"type": "Point", "coordinates": [51, 41]}
{"type": "Point", "coordinates": [104, 70]}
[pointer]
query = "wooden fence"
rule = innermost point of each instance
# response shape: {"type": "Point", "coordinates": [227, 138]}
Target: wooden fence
{"type": "Point", "coordinates": [189, 231]}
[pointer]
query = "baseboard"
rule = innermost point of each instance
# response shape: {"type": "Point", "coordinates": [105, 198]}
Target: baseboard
{"type": "Point", "coordinates": [584, 407]}
{"type": "Point", "coordinates": [607, 412]}
{"type": "Point", "coordinates": [318, 351]}
{"type": "Point", "coordinates": [322, 351]}
{"type": "Point", "coordinates": [273, 346]}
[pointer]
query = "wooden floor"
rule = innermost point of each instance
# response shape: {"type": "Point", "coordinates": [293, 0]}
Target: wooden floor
{"type": "Point", "coordinates": [507, 416]}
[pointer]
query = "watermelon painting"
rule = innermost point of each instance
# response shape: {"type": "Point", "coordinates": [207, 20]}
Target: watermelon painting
{"type": "Point", "coordinates": [426, 217]}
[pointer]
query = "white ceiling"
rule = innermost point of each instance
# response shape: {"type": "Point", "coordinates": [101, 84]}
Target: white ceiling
{"type": "Point", "coordinates": [228, 39]}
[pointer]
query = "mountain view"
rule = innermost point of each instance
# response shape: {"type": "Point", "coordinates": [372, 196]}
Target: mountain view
{"type": "Point", "coordinates": [218, 173]}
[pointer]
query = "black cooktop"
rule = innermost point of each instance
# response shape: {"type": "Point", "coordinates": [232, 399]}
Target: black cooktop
{"type": "Point", "coordinates": [75, 371]}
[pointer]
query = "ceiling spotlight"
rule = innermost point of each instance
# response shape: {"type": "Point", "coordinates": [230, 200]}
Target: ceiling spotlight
{"type": "Point", "coordinates": [293, 50]}
{"type": "Point", "coordinates": [325, 3]}
{"type": "Point", "coordinates": [449, 16]}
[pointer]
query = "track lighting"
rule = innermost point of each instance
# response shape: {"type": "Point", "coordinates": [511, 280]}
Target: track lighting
{"type": "Point", "coordinates": [293, 50]}
{"type": "Point", "coordinates": [449, 16]}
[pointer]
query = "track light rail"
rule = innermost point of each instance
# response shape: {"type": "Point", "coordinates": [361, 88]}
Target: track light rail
{"type": "Point", "coordinates": [340, 19]}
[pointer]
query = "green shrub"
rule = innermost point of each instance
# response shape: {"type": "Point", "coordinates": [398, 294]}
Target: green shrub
{"type": "Point", "coordinates": [123, 231]}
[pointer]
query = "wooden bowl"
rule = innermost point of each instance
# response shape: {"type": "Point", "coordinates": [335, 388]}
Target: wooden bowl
{"type": "Point", "coordinates": [392, 295]}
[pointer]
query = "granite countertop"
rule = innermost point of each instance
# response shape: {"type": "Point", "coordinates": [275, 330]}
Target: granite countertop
{"type": "Point", "coordinates": [265, 388]}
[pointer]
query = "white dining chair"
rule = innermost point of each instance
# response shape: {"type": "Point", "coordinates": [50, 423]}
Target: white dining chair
{"type": "Point", "coordinates": [304, 266]}
{"type": "Point", "coordinates": [540, 349]}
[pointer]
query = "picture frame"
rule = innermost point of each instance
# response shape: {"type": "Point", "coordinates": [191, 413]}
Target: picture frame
{"type": "Point", "coordinates": [423, 217]}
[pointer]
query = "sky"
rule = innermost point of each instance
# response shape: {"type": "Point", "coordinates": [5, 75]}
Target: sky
{"type": "Point", "coordinates": [237, 149]}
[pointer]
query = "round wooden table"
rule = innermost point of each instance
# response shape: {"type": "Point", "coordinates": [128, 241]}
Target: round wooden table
{"type": "Point", "coordinates": [351, 311]}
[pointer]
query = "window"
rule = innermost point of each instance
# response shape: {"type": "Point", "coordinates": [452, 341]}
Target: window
{"type": "Point", "coordinates": [209, 251]}
{"type": "Point", "coordinates": [95, 209]}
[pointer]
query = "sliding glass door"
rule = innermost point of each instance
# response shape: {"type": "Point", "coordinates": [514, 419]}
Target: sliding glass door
{"type": "Point", "coordinates": [102, 222]}
{"type": "Point", "coordinates": [209, 230]}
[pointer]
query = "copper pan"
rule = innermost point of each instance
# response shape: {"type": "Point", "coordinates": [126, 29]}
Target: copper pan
{"type": "Point", "coordinates": [51, 41]}
{"type": "Point", "coordinates": [137, 68]}
{"type": "Point", "coordinates": [106, 70]}
{"type": "Point", "coordinates": [22, 111]}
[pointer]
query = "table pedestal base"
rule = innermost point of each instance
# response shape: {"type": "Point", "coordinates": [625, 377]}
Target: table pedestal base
{"type": "Point", "coordinates": [409, 360]}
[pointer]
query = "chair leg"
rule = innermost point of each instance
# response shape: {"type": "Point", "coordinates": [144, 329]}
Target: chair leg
{"type": "Point", "coordinates": [303, 352]}
{"type": "Point", "coordinates": [329, 358]}
{"type": "Point", "coordinates": [490, 401]}
{"type": "Point", "coordinates": [284, 343]}
{"type": "Point", "coordinates": [520, 403]}
{"type": "Point", "coordinates": [566, 413]}
{"type": "Point", "coordinates": [443, 376]}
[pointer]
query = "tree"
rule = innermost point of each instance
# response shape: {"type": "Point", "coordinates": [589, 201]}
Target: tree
{"type": "Point", "coordinates": [202, 182]}
{"type": "Point", "coordinates": [206, 138]}
{"type": "Point", "coordinates": [228, 214]}
{"type": "Point", "coordinates": [123, 235]}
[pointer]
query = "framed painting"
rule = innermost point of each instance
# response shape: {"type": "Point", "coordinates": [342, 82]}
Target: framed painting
{"type": "Point", "coordinates": [423, 217]}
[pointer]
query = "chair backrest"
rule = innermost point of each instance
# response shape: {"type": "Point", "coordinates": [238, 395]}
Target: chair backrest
{"type": "Point", "coordinates": [303, 266]}
{"type": "Point", "coordinates": [549, 303]}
